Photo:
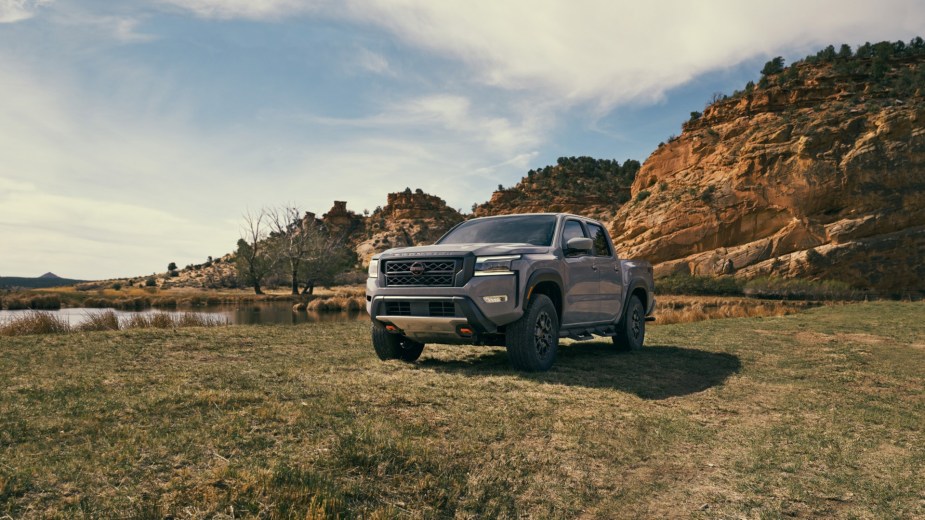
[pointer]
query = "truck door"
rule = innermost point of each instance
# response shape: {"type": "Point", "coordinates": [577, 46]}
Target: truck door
{"type": "Point", "coordinates": [607, 265]}
{"type": "Point", "coordinates": [581, 280]}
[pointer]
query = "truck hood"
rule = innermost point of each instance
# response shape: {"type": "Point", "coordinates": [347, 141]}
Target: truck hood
{"type": "Point", "coordinates": [463, 250]}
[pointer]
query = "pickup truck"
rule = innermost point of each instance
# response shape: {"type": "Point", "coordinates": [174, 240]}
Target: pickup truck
{"type": "Point", "coordinates": [519, 281]}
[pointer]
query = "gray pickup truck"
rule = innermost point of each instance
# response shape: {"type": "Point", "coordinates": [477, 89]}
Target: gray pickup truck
{"type": "Point", "coordinates": [520, 281]}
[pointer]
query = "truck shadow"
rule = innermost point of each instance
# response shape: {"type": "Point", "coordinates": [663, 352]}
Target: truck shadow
{"type": "Point", "coordinates": [655, 372]}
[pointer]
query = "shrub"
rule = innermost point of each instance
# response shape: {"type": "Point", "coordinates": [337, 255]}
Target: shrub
{"type": "Point", "coordinates": [798, 289]}
{"type": "Point", "coordinates": [699, 285]}
{"type": "Point", "coordinates": [707, 195]}
{"type": "Point", "coordinates": [16, 304]}
{"type": "Point", "coordinates": [98, 321]}
{"type": "Point", "coordinates": [642, 195]}
{"type": "Point", "coordinates": [774, 66]}
{"type": "Point", "coordinates": [50, 302]}
{"type": "Point", "coordinates": [117, 286]}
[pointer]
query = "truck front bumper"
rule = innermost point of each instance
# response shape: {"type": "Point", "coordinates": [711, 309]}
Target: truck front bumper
{"type": "Point", "coordinates": [446, 314]}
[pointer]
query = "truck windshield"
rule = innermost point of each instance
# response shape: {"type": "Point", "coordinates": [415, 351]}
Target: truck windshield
{"type": "Point", "coordinates": [516, 229]}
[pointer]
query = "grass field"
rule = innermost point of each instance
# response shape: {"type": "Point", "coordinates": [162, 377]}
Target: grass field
{"type": "Point", "coordinates": [816, 414]}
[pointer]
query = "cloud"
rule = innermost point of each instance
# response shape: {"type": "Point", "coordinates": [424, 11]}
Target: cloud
{"type": "Point", "coordinates": [608, 53]}
{"type": "Point", "coordinates": [248, 9]}
{"type": "Point", "coordinates": [12, 11]}
{"type": "Point", "coordinates": [600, 53]}
{"type": "Point", "coordinates": [370, 61]}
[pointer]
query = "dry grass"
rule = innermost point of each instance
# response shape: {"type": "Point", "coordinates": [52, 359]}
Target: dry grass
{"type": "Point", "coordinates": [36, 322]}
{"type": "Point", "coordinates": [814, 415]}
{"type": "Point", "coordinates": [40, 322]}
{"type": "Point", "coordinates": [337, 304]}
{"type": "Point", "coordinates": [689, 309]}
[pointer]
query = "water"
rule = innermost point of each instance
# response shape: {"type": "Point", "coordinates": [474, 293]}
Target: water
{"type": "Point", "coordinates": [272, 313]}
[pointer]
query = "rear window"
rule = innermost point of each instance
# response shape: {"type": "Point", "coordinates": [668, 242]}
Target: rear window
{"type": "Point", "coordinates": [536, 230]}
{"type": "Point", "coordinates": [599, 236]}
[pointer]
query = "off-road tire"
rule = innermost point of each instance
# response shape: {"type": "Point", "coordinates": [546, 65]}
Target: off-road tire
{"type": "Point", "coordinates": [533, 340]}
{"type": "Point", "coordinates": [631, 331]}
{"type": "Point", "coordinates": [395, 346]}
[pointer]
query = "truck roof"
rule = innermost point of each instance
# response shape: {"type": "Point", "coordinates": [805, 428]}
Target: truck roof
{"type": "Point", "coordinates": [537, 214]}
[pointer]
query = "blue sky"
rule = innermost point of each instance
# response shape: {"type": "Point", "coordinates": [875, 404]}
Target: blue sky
{"type": "Point", "coordinates": [136, 133]}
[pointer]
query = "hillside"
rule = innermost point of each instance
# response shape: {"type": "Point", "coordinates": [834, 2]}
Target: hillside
{"type": "Point", "coordinates": [583, 185]}
{"type": "Point", "coordinates": [818, 171]}
{"type": "Point", "coordinates": [408, 218]}
{"type": "Point", "coordinates": [41, 282]}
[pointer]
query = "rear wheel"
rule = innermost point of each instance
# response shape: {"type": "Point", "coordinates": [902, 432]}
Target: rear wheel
{"type": "Point", "coordinates": [395, 346]}
{"type": "Point", "coordinates": [533, 340]}
{"type": "Point", "coordinates": [631, 332]}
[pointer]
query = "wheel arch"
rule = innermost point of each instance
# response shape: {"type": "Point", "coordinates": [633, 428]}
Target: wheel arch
{"type": "Point", "coordinates": [546, 282]}
{"type": "Point", "coordinates": [639, 289]}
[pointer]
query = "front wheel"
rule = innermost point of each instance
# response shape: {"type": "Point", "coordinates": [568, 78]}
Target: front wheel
{"type": "Point", "coordinates": [394, 346]}
{"type": "Point", "coordinates": [533, 340]}
{"type": "Point", "coordinates": [631, 331]}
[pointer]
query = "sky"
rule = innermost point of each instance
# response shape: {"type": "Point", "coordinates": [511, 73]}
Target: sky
{"type": "Point", "coordinates": [136, 133]}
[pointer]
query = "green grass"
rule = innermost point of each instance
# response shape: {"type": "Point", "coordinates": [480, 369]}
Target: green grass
{"type": "Point", "coordinates": [815, 414]}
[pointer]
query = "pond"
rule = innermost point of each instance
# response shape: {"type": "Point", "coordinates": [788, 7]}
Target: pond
{"type": "Point", "coordinates": [264, 313]}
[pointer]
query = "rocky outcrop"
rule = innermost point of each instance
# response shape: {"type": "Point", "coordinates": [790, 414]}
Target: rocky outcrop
{"type": "Point", "coordinates": [819, 176]}
{"type": "Point", "coordinates": [581, 185]}
{"type": "Point", "coordinates": [408, 218]}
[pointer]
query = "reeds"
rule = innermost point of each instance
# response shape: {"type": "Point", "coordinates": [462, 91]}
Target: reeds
{"type": "Point", "coordinates": [336, 304]}
{"type": "Point", "coordinates": [36, 322]}
{"type": "Point", "coordinates": [39, 322]}
{"type": "Point", "coordinates": [689, 309]}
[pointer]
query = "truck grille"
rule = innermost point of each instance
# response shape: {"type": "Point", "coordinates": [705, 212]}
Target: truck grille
{"type": "Point", "coordinates": [420, 273]}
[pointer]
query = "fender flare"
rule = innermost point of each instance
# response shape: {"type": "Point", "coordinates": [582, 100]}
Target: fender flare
{"type": "Point", "coordinates": [638, 284]}
{"type": "Point", "coordinates": [543, 275]}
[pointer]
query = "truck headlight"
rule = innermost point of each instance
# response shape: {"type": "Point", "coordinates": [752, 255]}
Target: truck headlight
{"type": "Point", "coordinates": [374, 268]}
{"type": "Point", "coordinates": [494, 265]}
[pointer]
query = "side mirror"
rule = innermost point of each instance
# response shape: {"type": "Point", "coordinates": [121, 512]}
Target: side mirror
{"type": "Point", "coordinates": [579, 245]}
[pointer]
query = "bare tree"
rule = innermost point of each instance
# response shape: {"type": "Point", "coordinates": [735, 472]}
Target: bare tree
{"type": "Point", "coordinates": [255, 260]}
{"type": "Point", "coordinates": [326, 256]}
{"type": "Point", "coordinates": [306, 248]}
{"type": "Point", "coordinates": [291, 232]}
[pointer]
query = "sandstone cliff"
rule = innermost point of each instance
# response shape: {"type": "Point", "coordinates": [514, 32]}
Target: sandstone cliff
{"type": "Point", "coordinates": [819, 172]}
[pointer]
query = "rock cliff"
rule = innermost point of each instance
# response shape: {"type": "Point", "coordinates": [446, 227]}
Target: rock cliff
{"type": "Point", "coordinates": [817, 172]}
{"type": "Point", "coordinates": [408, 218]}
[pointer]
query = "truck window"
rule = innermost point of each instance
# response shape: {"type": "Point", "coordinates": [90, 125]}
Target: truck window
{"type": "Point", "coordinates": [599, 236]}
{"type": "Point", "coordinates": [570, 230]}
{"type": "Point", "coordinates": [537, 230]}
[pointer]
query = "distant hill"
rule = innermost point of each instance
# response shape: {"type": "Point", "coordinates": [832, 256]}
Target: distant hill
{"type": "Point", "coordinates": [42, 282]}
{"type": "Point", "coordinates": [592, 187]}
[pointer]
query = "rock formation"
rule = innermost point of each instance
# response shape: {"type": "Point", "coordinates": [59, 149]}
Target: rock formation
{"type": "Point", "coordinates": [408, 218]}
{"type": "Point", "coordinates": [818, 173]}
{"type": "Point", "coordinates": [581, 185]}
